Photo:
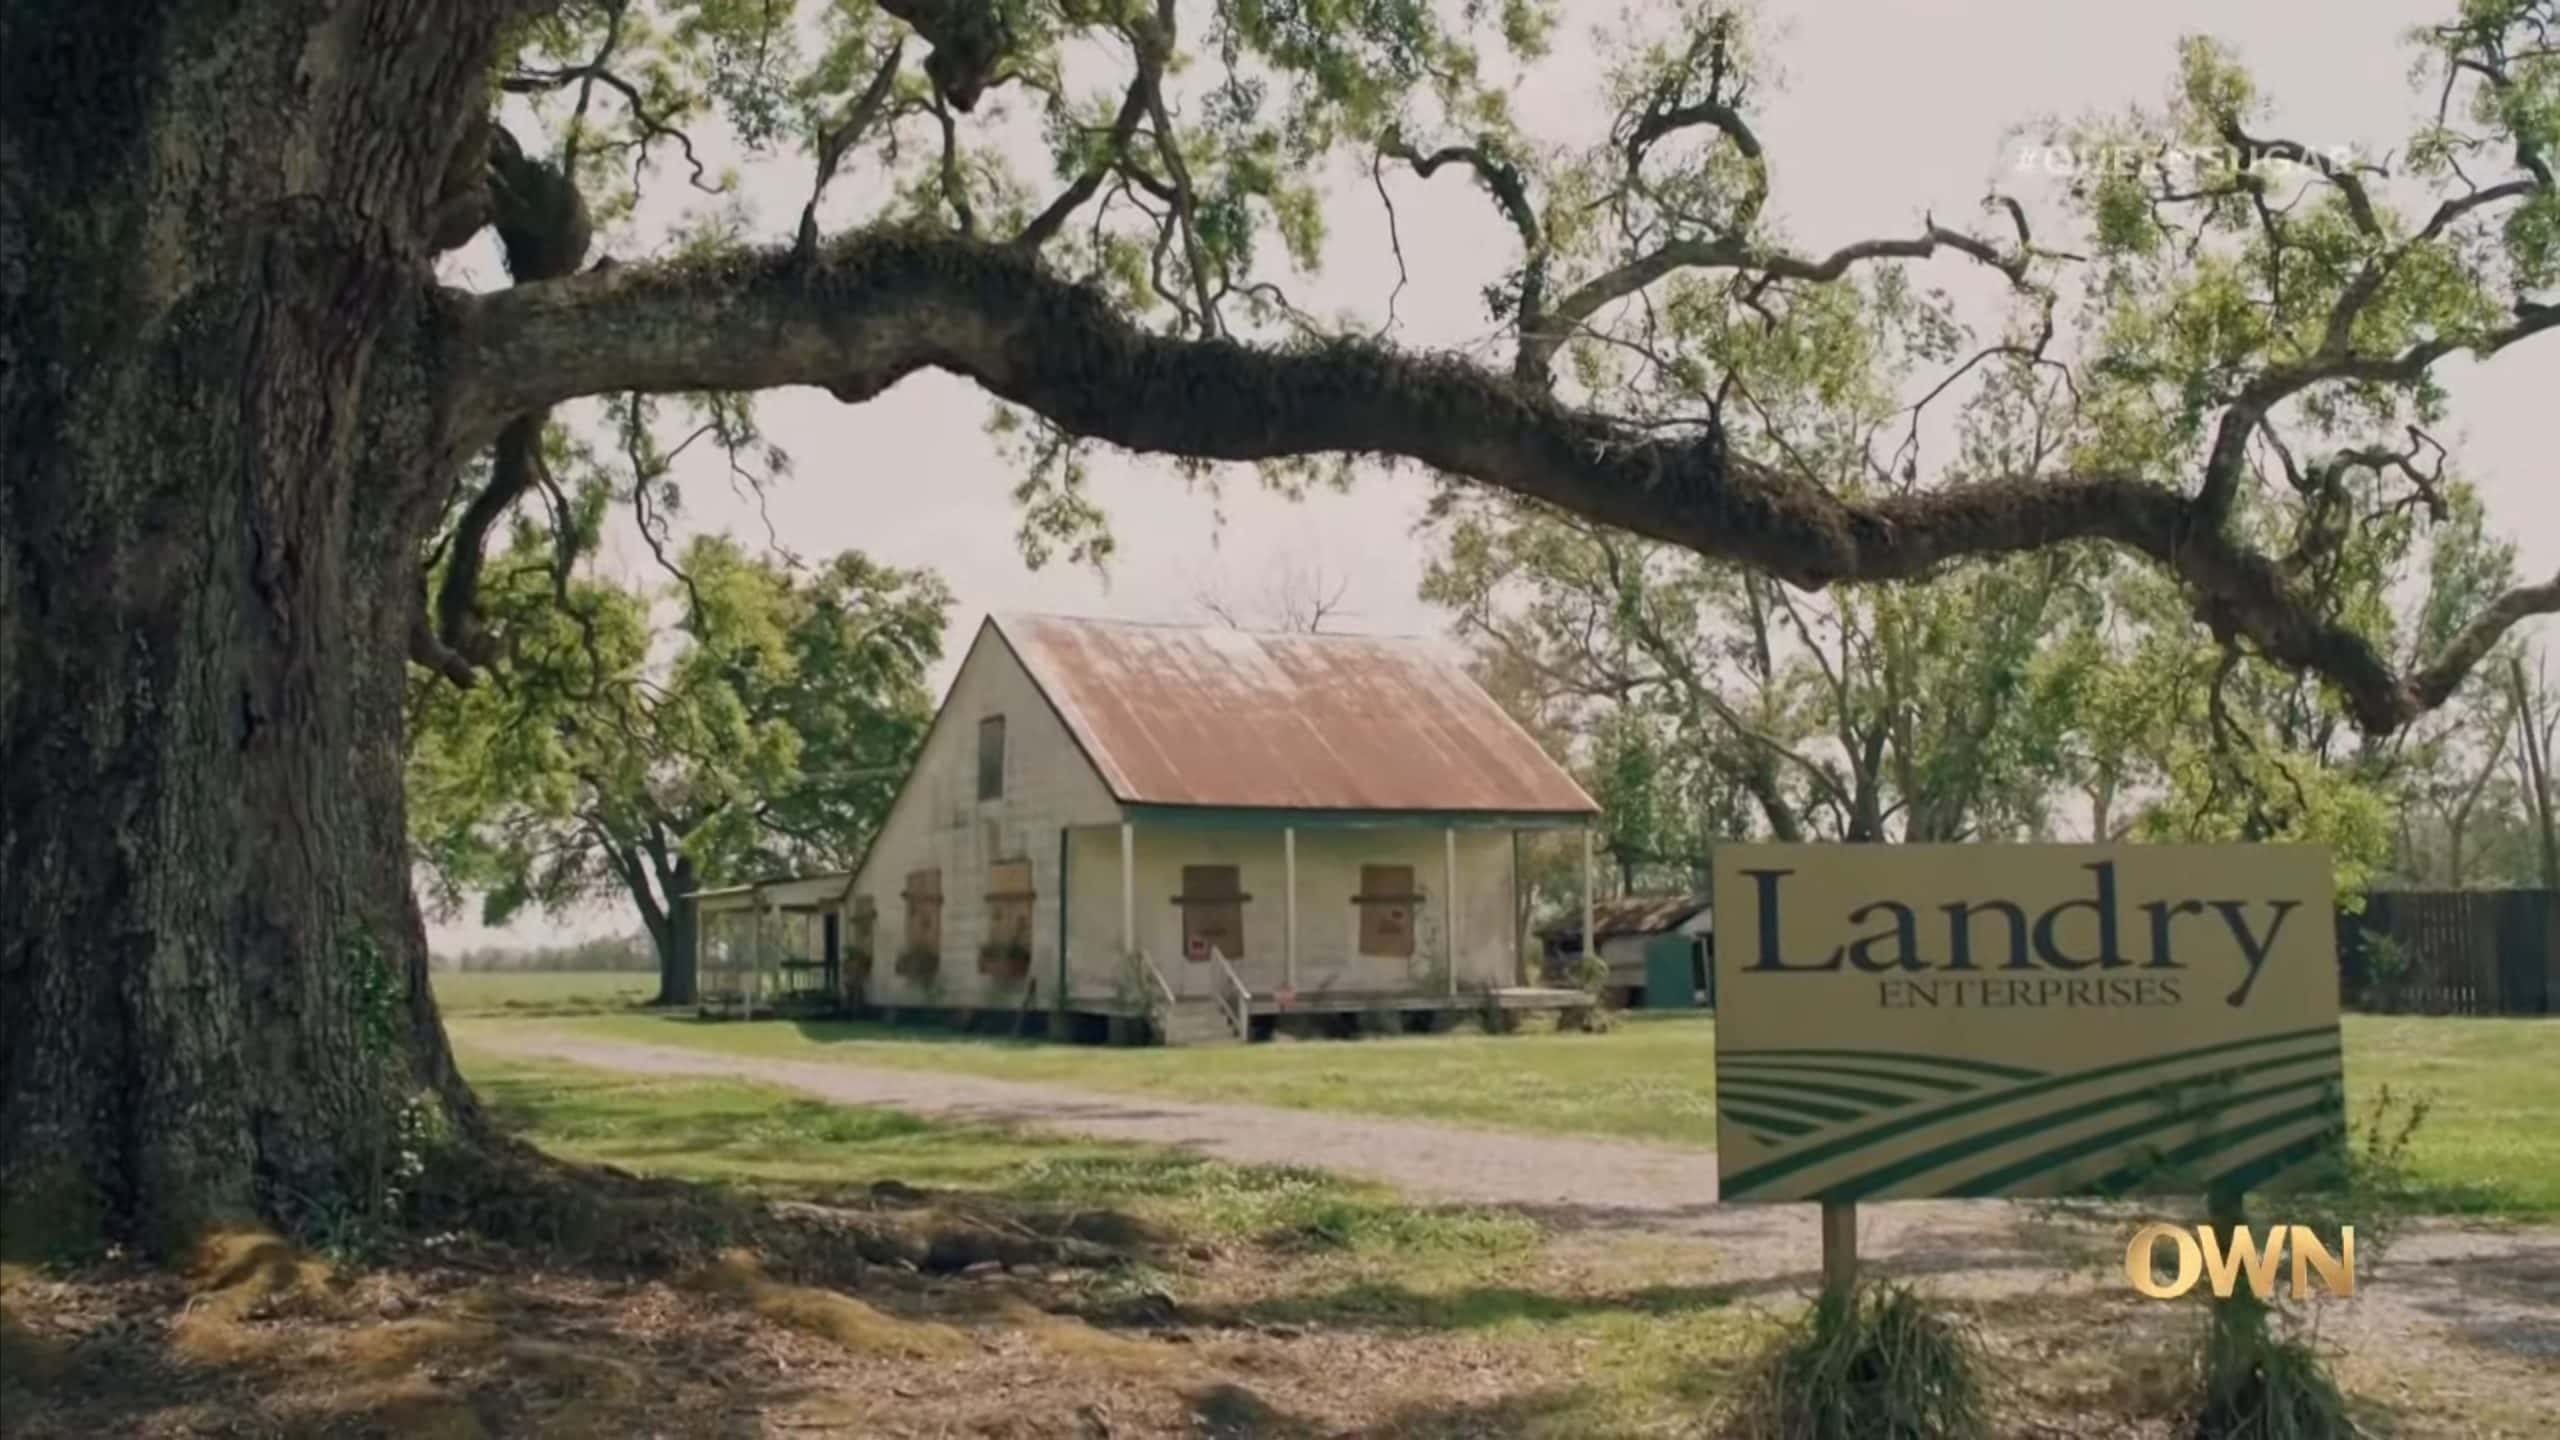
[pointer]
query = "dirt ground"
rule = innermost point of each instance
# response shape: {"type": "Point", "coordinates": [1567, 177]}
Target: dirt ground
{"type": "Point", "coordinates": [472, 1342]}
{"type": "Point", "coordinates": [2446, 1292]}
{"type": "Point", "coordinates": [1633, 1318]}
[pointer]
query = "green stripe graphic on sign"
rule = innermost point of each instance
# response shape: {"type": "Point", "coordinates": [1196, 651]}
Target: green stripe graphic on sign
{"type": "Point", "coordinates": [1754, 1067]}
{"type": "Point", "coordinates": [1819, 1109]}
{"type": "Point", "coordinates": [1911, 1167]}
{"type": "Point", "coordinates": [2030, 1085]}
{"type": "Point", "coordinates": [1998, 1181]}
{"type": "Point", "coordinates": [1755, 1122]}
{"type": "Point", "coordinates": [1939, 1062]}
{"type": "Point", "coordinates": [2250, 1174]}
{"type": "Point", "coordinates": [1858, 1094]}
{"type": "Point", "coordinates": [2126, 1177]}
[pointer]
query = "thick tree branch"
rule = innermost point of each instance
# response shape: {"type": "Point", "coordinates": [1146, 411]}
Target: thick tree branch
{"type": "Point", "coordinates": [969, 40]}
{"type": "Point", "coordinates": [1045, 225]}
{"type": "Point", "coordinates": [2249, 410]}
{"type": "Point", "coordinates": [1503, 181]}
{"type": "Point", "coordinates": [1732, 253]}
{"type": "Point", "coordinates": [544, 232]}
{"type": "Point", "coordinates": [891, 302]}
{"type": "Point", "coordinates": [834, 140]}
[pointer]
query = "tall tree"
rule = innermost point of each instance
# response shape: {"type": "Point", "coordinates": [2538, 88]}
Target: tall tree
{"type": "Point", "coordinates": [1870, 714]}
{"type": "Point", "coordinates": [770, 739]}
{"type": "Point", "coordinates": [238, 398]}
{"type": "Point", "coordinates": [2537, 722]}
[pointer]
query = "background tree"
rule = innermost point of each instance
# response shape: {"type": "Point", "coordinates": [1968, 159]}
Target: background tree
{"type": "Point", "coordinates": [770, 737]}
{"type": "Point", "coordinates": [2537, 721]}
{"type": "Point", "coordinates": [633, 952]}
{"type": "Point", "coordinates": [1296, 596]}
{"type": "Point", "coordinates": [1867, 714]}
{"type": "Point", "coordinates": [239, 398]}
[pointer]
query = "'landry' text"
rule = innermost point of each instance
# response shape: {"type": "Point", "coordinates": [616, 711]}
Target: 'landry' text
{"type": "Point", "coordinates": [2032, 945]}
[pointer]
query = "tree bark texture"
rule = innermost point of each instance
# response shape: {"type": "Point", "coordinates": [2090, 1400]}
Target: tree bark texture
{"type": "Point", "coordinates": [217, 377]}
{"type": "Point", "coordinates": [680, 959]}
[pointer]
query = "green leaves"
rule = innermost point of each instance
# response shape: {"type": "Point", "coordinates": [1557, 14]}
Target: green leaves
{"type": "Point", "coordinates": [768, 731]}
{"type": "Point", "coordinates": [2219, 310]}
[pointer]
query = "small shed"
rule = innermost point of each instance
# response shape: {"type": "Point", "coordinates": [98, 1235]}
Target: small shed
{"type": "Point", "coordinates": [771, 945]}
{"type": "Point", "coordinates": [1630, 928]}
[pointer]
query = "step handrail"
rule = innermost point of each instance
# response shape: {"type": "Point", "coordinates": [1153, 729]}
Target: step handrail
{"type": "Point", "coordinates": [1240, 1013]}
{"type": "Point", "coordinates": [1163, 987]}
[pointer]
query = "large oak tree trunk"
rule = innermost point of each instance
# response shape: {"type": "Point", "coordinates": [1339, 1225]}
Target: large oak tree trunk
{"type": "Point", "coordinates": [680, 954]}
{"type": "Point", "coordinates": [217, 380]}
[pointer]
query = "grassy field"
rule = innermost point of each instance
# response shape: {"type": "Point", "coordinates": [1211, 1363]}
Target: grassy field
{"type": "Point", "coordinates": [785, 1145]}
{"type": "Point", "coordinates": [1408, 1320]}
{"type": "Point", "coordinates": [1651, 1079]}
{"type": "Point", "coordinates": [1415, 1298]}
{"type": "Point", "coordinates": [2486, 1145]}
{"type": "Point", "coordinates": [566, 992]}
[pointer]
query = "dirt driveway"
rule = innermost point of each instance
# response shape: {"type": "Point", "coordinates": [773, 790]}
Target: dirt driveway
{"type": "Point", "coordinates": [2468, 1292]}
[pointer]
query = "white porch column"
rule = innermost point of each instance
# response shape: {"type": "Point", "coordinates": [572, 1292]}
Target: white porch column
{"type": "Point", "coordinates": [1289, 905]}
{"type": "Point", "coordinates": [1128, 888]}
{"type": "Point", "coordinates": [1449, 884]}
{"type": "Point", "coordinates": [1590, 946]}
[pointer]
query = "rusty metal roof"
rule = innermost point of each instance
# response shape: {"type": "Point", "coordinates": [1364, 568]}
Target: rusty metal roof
{"type": "Point", "coordinates": [1183, 715]}
{"type": "Point", "coordinates": [1629, 915]}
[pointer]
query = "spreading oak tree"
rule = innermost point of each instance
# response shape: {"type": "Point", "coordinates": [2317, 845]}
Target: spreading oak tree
{"type": "Point", "coordinates": [240, 400]}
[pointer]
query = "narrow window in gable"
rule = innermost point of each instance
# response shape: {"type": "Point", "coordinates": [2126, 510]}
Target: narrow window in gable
{"type": "Point", "coordinates": [991, 758]}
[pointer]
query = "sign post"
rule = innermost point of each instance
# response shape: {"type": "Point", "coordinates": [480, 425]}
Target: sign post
{"type": "Point", "coordinates": [1924, 1021]}
{"type": "Point", "coordinates": [1839, 1248]}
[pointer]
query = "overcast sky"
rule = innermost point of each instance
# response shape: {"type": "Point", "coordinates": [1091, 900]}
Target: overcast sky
{"type": "Point", "coordinates": [1888, 108]}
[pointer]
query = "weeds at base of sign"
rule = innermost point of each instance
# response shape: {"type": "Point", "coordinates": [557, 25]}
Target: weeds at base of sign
{"type": "Point", "coordinates": [1877, 1362]}
{"type": "Point", "coordinates": [2257, 1372]}
{"type": "Point", "coordinates": [2256, 1382]}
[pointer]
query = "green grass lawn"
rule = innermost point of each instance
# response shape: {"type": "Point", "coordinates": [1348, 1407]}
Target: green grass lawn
{"type": "Point", "coordinates": [2487, 1144]}
{"type": "Point", "coordinates": [566, 992]}
{"type": "Point", "coordinates": [1605, 1344]}
{"type": "Point", "coordinates": [2492, 1089]}
{"type": "Point", "coordinates": [1651, 1079]}
{"type": "Point", "coordinates": [1629, 1338]}
{"type": "Point", "coordinates": [781, 1144]}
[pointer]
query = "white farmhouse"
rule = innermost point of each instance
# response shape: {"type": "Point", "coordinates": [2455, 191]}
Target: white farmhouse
{"type": "Point", "coordinates": [1193, 829]}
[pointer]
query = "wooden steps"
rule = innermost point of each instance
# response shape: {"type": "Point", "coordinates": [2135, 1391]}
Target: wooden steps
{"type": "Point", "coordinates": [1198, 1022]}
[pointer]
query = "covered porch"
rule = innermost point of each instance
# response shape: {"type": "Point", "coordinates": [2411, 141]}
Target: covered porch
{"type": "Point", "coordinates": [771, 946]}
{"type": "Point", "coordinates": [1206, 920]}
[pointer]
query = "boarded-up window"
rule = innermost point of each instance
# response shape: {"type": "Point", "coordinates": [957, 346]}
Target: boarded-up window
{"type": "Point", "coordinates": [1386, 902]}
{"type": "Point", "coordinates": [1212, 902]}
{"type": "Point", "coordinates": [991, 757]}
{"type": "Point", "coordinates": [1008, 915]}
{"type": "Point", "coordinates": [924, 912]}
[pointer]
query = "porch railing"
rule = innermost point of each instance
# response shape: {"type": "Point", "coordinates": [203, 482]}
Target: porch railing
{"type": "Point", "coordinates": [1234, 1000]}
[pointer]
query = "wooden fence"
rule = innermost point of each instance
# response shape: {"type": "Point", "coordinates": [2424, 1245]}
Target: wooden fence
{"type": "Point", "coordinates": [2452, 952]}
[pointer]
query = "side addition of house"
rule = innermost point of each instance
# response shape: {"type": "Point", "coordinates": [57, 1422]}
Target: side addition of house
{"type": "Point", "coordinates": [1200, 829]}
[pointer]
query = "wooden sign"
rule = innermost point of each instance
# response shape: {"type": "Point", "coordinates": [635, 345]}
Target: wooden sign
{"type": "Point", "coordinates": [1901, 1021]}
